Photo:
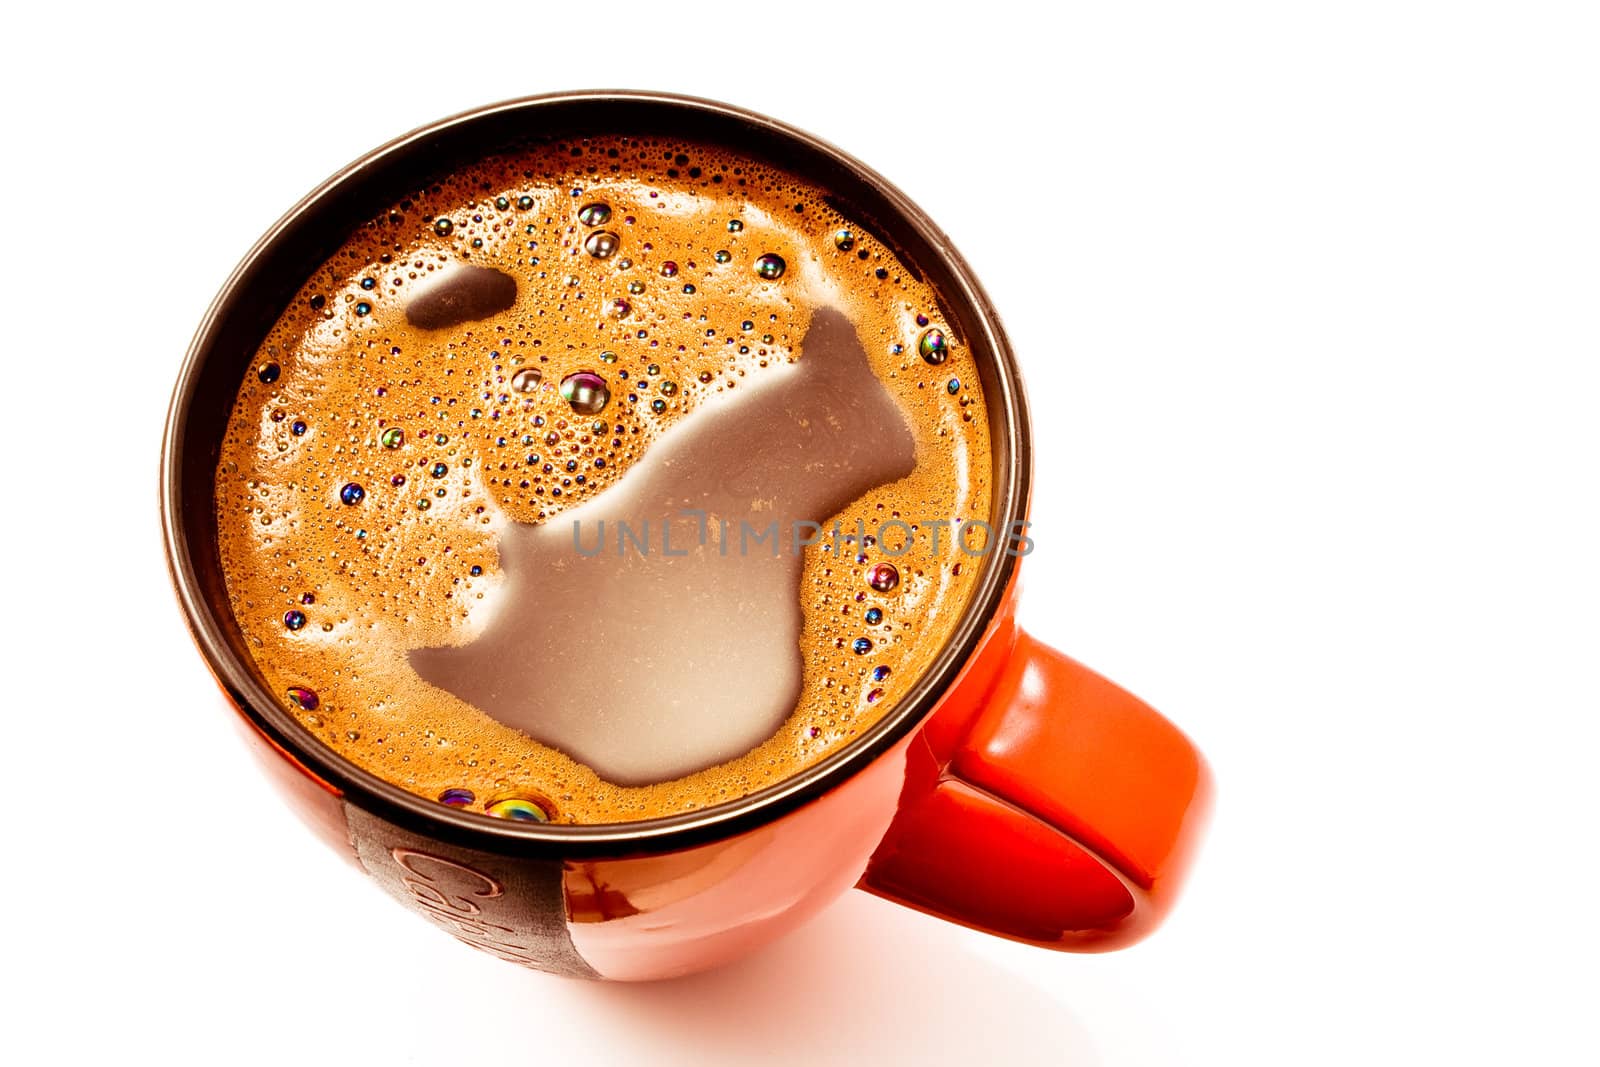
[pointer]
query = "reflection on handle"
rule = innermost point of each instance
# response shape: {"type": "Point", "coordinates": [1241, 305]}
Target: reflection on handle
{"type": "Point", "coordinates": [1060, 811]}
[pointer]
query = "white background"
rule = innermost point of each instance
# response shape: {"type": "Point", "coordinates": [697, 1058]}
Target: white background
{"type": "Point", "coordinates": [1308, 302]}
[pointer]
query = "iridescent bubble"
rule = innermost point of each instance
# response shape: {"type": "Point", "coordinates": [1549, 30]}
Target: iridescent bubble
{"type": "Point", "coordinates": [303, 698]}
{"type": "Point", "coordinates": [294, 618]}
{"type": "Point", "coordinates": [352, 493]}
{"type": "Point", "coordinates": [722, 255]}
{"type": "Point", "coordinates": [518, 808]}
{"type": "Point", "coordinates": [268, 373]}
{"type": "Point", "coordinates": [880, 673]}
{"type": "Point", "coordinates": [398, 480]}
{"type": "Point", "coordinates": [586, 392]}
{"type": "Point", "coordinates": [601, 244]}
{"type": "Point", "coordinates": [635, 288]}
{"type": "Point", "coordinates": [424, 504]}
{"type": "Point", "coordinates": [524, 202]}
{"type": "Point", "coordinates": [619, 308]}
{"type": "Point", "coordinates": [874, 696]}
{"type": "Point", "coordinates": [770, 265]}
{"type": "Point", "coordinates": [734, 225]}
{"type": "Point", "coordinates": [844, 240]}
{"type": "Point", "coordinates": [502, 202]}
{"type": "Point", "coordinates": [608, 357]}
{"type": "Point", "coordinates": [298, 428]}
{"type": "Point", "coordinates": [475, 570]}
{"type": "Point", "coordinates": [369, 283]}
{"type": "Point", "coordinates": [861, 646]}
{"type": "Point", "coordinates": [669, 269]}
{"type": "Point", "coordinates": [363, 308]}
{"type": "Point", "coordinates": [874, 616]}
{"type": "Point", "coordinates": [527, 379]}
{"type": "Point", "coordinates": [442, 227]}
{"type": "Point", "coordinates": [457, 798]}
{"type": "Point", "coordinates": [658, 405]}
{"type": "Point", "coordinates": [932, 346]}
{"type": "Point", "coordinates": [594, 214]}
{"type": "Point", "coordinates": [439, 470]}
{"type": "Point", "coordinates": [669, 388]}
{"type": "Point", "coordinates": [953, 386]}
{"type": "Point", "coordinates": [883, 577]}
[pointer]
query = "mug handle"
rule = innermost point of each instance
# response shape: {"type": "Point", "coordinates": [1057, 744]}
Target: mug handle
{"type": "Point", "coordinates": [1055, 809]}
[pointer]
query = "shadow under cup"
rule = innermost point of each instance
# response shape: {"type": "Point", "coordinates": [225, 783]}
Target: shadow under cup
{"type": "Point", "coordinates": [663, 896]}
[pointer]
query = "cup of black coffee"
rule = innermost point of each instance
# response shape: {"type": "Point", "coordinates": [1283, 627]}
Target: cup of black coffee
{"type": "Point", "coordinates": [603, 511]}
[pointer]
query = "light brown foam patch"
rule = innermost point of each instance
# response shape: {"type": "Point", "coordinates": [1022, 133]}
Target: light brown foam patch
{"type": "Point", "coordinates": [393, 572]}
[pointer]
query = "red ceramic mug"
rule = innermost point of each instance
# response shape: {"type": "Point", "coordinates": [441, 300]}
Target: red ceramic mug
{"type": "Point", "coordinates": [1011, 790]}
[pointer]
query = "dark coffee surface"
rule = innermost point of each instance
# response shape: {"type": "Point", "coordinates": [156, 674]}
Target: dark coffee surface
{"type": "Point", "coordinates": [548, 494]}
{"type": "Point", "coordinates": [803, 440]}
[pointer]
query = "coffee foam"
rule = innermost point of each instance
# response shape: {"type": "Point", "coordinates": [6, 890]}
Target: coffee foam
{"type": "Point", "coordinates": [393, 572]}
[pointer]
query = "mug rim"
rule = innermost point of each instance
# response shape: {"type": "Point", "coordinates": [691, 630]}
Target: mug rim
{"type": "Point", "coordinates": [1010, 454]}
